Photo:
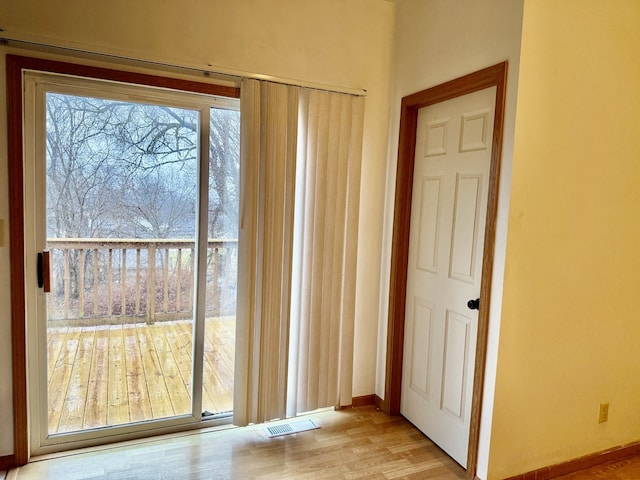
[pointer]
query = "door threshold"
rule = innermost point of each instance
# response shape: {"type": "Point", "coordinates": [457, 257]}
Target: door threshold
{"type": "Point", "coordinates": [217, 423]}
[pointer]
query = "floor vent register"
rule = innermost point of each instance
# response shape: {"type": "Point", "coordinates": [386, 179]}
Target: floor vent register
{"type": "Point", "coordinates": [291, 427]}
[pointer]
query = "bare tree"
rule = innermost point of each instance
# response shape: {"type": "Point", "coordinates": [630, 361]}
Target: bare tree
{"type": "Point", "coordinates": [124, 169]}
{"type": "Point", "coordinates": [79, 166]}
{"type": "Point", "coordinates": [224, 165]}
{"type": "Point", "coordinates": [119, 168]}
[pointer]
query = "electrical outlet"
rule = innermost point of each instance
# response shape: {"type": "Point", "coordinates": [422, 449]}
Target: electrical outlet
{"type": "Point", "coordinates": [604, 413]}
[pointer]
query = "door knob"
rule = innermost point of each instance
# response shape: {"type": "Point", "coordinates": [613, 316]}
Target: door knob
{"type": "Point", "coordinates": [474, 304]}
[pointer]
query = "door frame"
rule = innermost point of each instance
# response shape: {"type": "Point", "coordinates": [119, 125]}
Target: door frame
{"type": "Point", "coordinates": [489, 77]}
{"type": "Point", "coordinates": [15, 66]}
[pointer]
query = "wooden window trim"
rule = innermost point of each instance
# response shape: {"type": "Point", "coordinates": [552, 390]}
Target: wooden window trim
{"type": "Point", "coordinates": [15, 66]}
{"type": "Point", "coordinates": [488, 77]}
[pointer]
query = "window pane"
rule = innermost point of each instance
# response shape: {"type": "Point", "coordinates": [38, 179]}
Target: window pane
{"type": "Point", "coordinates": [224, 159]}
{"type": "Point", "coordinates": [121, 193]}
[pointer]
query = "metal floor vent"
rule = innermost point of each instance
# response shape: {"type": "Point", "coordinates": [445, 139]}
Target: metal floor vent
{"type": "Point", "coordinates": [291, 427]}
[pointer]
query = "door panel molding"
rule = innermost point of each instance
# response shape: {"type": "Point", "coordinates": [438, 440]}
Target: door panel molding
{"type": "Point", "coordinates": [15, 66]}
{"type": "Point", "coordinates": [489, 77]}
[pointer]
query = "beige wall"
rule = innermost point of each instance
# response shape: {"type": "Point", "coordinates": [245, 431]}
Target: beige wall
{"type": "Point", "coordinates": [570, 333]}
{"type": "Point", "coordinates": [325, 42]}
{"type": "Point", "coordinates": [437, 41]}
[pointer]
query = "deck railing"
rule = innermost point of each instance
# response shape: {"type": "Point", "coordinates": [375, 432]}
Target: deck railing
{"type": "Point", "coordinates": [107, 281]}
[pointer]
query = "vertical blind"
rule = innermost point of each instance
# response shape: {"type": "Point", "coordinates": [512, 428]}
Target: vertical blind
{"type": "Point", "coordinates": [299, 180]}
{"type": "Point", "coordinates": [325, 250]}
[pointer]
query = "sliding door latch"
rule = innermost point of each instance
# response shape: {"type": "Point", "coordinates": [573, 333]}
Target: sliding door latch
{"type": "Point", "coordinates": [44, 279]}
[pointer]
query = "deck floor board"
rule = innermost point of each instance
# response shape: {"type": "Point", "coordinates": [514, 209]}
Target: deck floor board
{"type": "Point", "coordinates": [103, 376]}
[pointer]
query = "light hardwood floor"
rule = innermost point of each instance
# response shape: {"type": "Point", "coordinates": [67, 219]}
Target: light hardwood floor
{"type": "Point", "coordinates": [360, 443]}
{"type": "Point", "coordinates": [110, 375]}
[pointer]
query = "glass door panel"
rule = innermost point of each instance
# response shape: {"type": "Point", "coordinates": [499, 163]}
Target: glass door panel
{"type": "Point", "coordinates": [121, 197]}
{"type": "Point", "coordinates": [222, 262]}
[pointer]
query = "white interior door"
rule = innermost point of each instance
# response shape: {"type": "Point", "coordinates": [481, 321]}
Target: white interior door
{"type": "Point", "coordinates": [451, 173]}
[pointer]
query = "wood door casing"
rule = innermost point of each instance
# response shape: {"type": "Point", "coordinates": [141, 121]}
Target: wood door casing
{"type": "Point", "coordinates": [492, 76]}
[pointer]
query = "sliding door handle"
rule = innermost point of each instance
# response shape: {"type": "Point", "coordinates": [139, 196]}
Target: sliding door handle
{"type": "Point", "coordinates": [44, 276]}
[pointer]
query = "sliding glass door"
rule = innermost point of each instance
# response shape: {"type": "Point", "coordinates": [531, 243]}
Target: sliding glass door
{"type": "Point", "coordinates": [135, 208]}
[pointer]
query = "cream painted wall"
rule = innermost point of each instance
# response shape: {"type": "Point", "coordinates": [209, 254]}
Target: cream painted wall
{"type": "Point", "coordinates": [570, 331]}
{"type": "Point", "coordinates": [343, 43]}
{"type": "Point", "coordinates": [437, 41]}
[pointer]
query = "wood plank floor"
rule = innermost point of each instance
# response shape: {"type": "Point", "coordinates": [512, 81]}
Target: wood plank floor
{"type": "Point", "coordinates": [360, 443]}
{"type": "Point", "coordinates": [111, 375]}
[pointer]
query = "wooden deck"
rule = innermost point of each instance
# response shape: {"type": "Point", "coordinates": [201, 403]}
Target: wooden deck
{"type": "Point", "coordinates": [111, 375]}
